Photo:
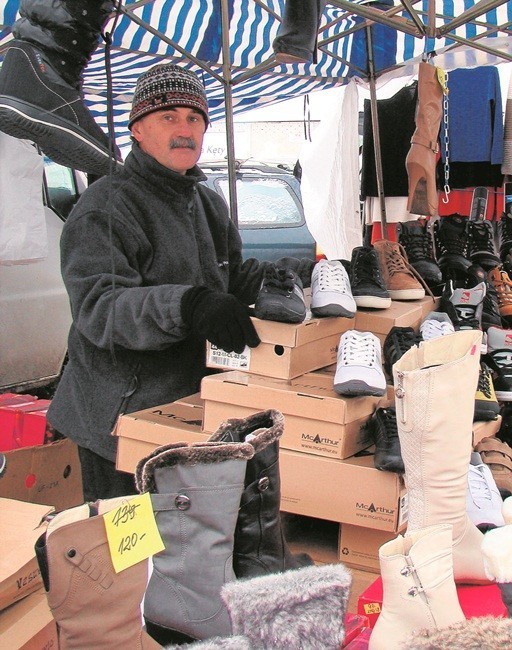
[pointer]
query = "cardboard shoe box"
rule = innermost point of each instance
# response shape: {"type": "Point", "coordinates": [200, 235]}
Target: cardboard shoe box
{"type": "Point", "coordinates": [359, 547]}
{"type": "Point", "coordinates": [348, 491]}
{"type": "Point", "coordinates": [286, 350]}
{"type": "Point", "coordinates": [47, 474]}
{"type": "Point", "coordinates": [141, 432]}
{"type": "Point", "coordinates": [29, 625]}
{"type": "Point", "coordinates": [21, 524]}
{"type": "Point", "coordinates": [317, 419]}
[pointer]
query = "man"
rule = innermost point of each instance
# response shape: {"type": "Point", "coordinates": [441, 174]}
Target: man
{"type": "Point", "coordinates": [153, 267]}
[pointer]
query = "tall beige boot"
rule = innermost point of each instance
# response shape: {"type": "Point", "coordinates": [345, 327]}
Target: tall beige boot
{"type": "Point", "coordinates": [93, 606]}
{"type": "Point", "coordinates": [421, 159]}
{"type": "Point", "coordinates": [419, 589]}
{"type": "Point", "coordinates": [435, 386]}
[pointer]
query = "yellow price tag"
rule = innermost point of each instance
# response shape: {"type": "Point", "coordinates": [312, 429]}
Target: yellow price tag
{"type": "Point", "coordinates": [132, 532]}
{"type": "Point", "coordinates": [442, 77]}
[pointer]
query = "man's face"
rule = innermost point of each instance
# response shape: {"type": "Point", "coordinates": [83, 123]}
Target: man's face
{"type": "Point", "coordinates": [173, 136]}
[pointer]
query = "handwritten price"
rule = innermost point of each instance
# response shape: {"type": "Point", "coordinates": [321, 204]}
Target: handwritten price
{"type": "Point", "coordinates": [129, 542]}
{"type": "Point", "coordinates": [125, 513]}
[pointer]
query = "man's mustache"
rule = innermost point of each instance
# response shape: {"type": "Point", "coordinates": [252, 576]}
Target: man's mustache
{"type": "Point", "coordinates": [180, 143]}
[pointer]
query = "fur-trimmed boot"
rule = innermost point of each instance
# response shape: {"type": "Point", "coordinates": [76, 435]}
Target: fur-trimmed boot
{"type": "Point", "coordinates": [297, 36]}
{"type": "Point", "coordinates": [435, 386]}
{"type": "Point", "coordinates": [260, 544]}
{"type": "Point", "coordinates": [418, 587]}
{"type": "Point", "coordinates": [421, 159]}
{"type": "Point", "coordinates": [299, 610]}
{"type": "Point", "coordinates": [40, 82]}
{"type": "Point", "coordinates": [93, 606]}
{"type": "Point", "coordinates": [497, 552]}
{"type": "Point", "coordinates": [195, 492]}
{"type": "Point", "coordinates": [482, 632]}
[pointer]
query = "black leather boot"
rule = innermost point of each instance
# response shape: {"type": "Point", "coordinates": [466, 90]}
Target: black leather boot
{"type": "Point", "coordinates": [260, 546]}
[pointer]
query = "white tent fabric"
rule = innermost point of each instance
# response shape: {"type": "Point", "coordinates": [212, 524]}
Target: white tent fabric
{"type": "Point", "coordinates": [330, 179]}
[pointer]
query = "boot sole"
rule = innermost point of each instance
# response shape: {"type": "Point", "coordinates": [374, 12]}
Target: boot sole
{"type": "Point", "coordinates": [60, 140]}
{"type": "Point", "coordinates": [406, 294]}
{"type": "Point", "coordinates": [358, 388]}
{"type": "Point", "coordinates": [165, 635]}
{"type": "Point", "coordinates": [372, 302]}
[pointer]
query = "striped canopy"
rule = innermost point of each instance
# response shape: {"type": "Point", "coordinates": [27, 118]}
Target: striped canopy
{"type": "Point", "coordinates": [229, 43]}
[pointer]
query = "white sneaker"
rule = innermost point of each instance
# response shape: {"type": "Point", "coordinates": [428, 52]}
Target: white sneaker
{"type": "Point", "coordinates": [331, 294]}
{"type": "Point", "coordinates": [483, 499]}
{"type": "Point", "coordinates": [359, 366]}
{"type": "Point", "coordinates": [437, 323]}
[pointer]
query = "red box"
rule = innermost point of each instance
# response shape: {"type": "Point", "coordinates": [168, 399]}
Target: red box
{"type": "Point", "coordinates": [475, 600]}
{"type": "Point", "coordinates": [361, 641]}
{"type": "Point", "coordinates": [22, 421]}
{"type": "Point", "coordinates": [354, 625]}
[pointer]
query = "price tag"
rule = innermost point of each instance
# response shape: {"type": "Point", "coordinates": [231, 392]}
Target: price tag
{"type": "Point", "coordinates": [442, 77]}
{"type": "Point", "coordinates": [132, 532]}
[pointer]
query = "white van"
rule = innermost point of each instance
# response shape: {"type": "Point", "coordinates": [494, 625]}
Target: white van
{"type": "Point", "coordinates": [34, 309]}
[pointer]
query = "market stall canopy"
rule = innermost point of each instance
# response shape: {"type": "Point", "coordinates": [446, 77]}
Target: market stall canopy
{"type": "Point", "coordinates": [229, 42]}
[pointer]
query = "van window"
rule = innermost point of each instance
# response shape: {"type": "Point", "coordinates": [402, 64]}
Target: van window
{"type": "Point", "coordinates": [264, 202]}
{"type": "Point", "coordinates": [61, 187]}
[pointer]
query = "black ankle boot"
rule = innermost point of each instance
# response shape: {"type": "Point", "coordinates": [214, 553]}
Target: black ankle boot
{"type": "Point", "coordinates": [417, 241]}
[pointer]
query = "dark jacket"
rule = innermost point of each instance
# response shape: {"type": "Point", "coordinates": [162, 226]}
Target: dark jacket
{"type": "Point", "coordinates": [132, 246]}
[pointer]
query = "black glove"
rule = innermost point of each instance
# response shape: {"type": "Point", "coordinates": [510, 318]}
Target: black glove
{"type": "Point", "coordinates": [219, 317]}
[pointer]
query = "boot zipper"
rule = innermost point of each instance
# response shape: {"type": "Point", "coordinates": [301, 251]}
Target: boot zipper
{"type": "Point", "coordinates": [400, 394]}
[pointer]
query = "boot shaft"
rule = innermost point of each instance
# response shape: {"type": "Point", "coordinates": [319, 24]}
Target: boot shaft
{"type": "Point", "coordinates": [93, 606]}
{"type": "Point", "coordinates": [429, 109]}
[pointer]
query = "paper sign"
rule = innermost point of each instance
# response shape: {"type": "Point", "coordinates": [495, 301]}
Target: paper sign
{"type": "Point", "coordinates": [132, 532]}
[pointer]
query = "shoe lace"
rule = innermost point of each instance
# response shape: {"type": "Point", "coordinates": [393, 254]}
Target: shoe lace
{"type": "Point", "coordinates": [481, 236]}
{"type": "Point", "coordinates": [505, 230]}
{"type": "Point", "coordinates": [279, 280]}
{"type": "Point", "coordinates": [478, 486]}
{"type": "Point", "coordinates": [503, 286]}
{"type": "Point", "coordinates": [432, 329]}
{"type": "Point", "coordinates": [397, 262]}
{"type": "Point", "coordinates": [448, 240]}
{"type": "Point", "coordinates": [366, 267]}
{"type": "Point", "coordinates": [418, 245]}
{"type": "Point", "coordinates": [358, 351]}
{"type": "Point", "coordinates": [333, 278]}
{"type": "Point", "coordinates": [389, 421]}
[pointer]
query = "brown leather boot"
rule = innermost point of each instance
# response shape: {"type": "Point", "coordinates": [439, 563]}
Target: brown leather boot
{"type": "Point", "coordinates": [421, 159]}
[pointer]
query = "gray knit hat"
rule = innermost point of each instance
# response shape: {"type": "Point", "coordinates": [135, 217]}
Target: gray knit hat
{"type": "Point", "coordinates": [166, 85]}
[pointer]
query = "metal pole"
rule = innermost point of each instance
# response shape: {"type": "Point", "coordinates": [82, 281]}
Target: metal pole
{"type": "Point", "coordinates": [228, 102]}
{"type": "Point", "coordinates": [376, 135]}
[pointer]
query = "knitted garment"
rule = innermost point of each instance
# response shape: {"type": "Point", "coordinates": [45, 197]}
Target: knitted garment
{"type": "Point", "coordinates": [165, 86]}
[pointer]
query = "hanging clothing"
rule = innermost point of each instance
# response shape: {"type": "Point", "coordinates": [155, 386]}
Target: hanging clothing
{"type": "Point", "coordinates": [506, 166]}
{"type": "Point", "coordinates": [396, 127]}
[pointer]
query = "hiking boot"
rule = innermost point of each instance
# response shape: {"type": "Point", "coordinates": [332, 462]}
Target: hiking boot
{"type": "Point", "coordinates": [366, 279]}
{"type": "Point", "coordinates": [359, 365]}
{"type": "Point", "coordinates": [483, 500]}
{"type": "Point", "coordinates": [486, 403]}
{"type": "Point", "coordinates": [37, 104]}
{"type": "Point", "coordinates": [505, 236]}
{"type": "Point", "coordinates": [417, 241]}
{"type": "Point", "coordinates": [400, 281]}
{"type": "Point", "coordinates": [382, 430]}
{"type": "Point", "coordinates": [499, 360]}
{"type": "Point", "coordinates": [331, 294]}
{"type": "Point", "coordinates": [481, 249]}
{"type": "Point", "coordinates": [502, 284]}
{"type": "Point", "coordinates": [281, 297]}
{"type": "Point", "coordinates": [396, 344]}
{"type": "Point", "coordinates": [451, 241]}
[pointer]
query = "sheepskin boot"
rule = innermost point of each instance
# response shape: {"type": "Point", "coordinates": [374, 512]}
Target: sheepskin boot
{"type": "Point", "coordinates": [195, 492]}
{"type": "Point", "coordinates": [418, 586]}
{"type": "Point", "coordinates": [260, 544]}
{"type": "Point", "coordinates": [421, 159]}
{"type": "Point", "coordinates": [297, 36]}
{"type": "Point", "coordinates": [300, 610]}
{"type": "Point", "coordinates": [497, 553]}
{"type": "Point", "coordinates": [93, 606]}
{"type": "Point", "coordinates": [482, 632]}
{"type": "Point", "coordinates": [435, 386]}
